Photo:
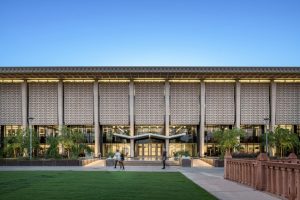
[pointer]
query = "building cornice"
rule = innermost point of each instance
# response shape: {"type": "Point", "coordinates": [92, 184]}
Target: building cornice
{"type": "Point", "coordinates": [197, 72]}
{"type": "Point", "coordinates": [137, 69]}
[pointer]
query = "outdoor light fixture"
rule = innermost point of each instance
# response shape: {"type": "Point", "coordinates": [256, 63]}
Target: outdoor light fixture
{"type": "Point", "coordinates": [30, 120]}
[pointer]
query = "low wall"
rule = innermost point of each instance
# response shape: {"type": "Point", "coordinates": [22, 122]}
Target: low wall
{"type": "Point", "coordinates": [214, 162]}
{"type": "Point", "coordinates": [280, 177]}
{"type": "Point", "coordinates": [185, 162]}
{"type": "Point", "coordinates": [16, 162]}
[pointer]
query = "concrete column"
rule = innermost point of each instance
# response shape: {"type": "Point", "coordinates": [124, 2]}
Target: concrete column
{"type": "Point", "coordinates": [167, 103]}
{"type": "Point", "coordinates": [202, 119]}
{"type": "Point", "coordinates": [238, 104]}
{"type": "Point", "coordinates": [132, 148]}
{"type": "Point", "coordinates": [273, 105]}
{"type": "Point", "coordinates": [60, 110]}
{"type": "Point", "coordinates": [167, 114]}
{"type": "Point", "coordinates": [131, 116]}
{"type": "Point", "coordinates": [131, 107]}
{"type": "Point", "coordinates": [60, 104]}
{"type": "Point", "coordinates": [24, 104]}
{"type": "Point", "coordinates": [167, 146]}
{"type": "Point", "coordinates": [96, 118]}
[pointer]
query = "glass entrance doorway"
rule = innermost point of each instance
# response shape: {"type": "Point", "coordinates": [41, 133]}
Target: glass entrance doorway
{"type": "Point", "coordinates": [149, 149]}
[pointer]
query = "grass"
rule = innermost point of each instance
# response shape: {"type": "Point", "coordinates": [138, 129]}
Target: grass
{"type": "Point", "coordinates": [99, 185]}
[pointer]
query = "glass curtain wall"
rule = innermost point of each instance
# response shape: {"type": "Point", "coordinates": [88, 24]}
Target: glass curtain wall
{"type": "Point", "coordinates": [88, 132]}
{"type": "Point", "coordinates": [185, 143]}
{"type": "Point", "coordinates": [44, 132]}
{"type": "Point", "coordinates": [159, 130]}
{"type": "Point", "coordinates": [210, 147]}
{"type": "Point", "coordinates": [251, 142]}
{"type": "Point", "coordinates": [112, 142]}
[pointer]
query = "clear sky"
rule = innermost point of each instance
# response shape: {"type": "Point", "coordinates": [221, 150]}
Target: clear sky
{"type": "Point", "coordinates": [150, 32]}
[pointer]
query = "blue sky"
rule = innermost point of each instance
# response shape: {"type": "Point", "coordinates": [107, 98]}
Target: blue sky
{"type": "Point", "coordinates": [150, 32]}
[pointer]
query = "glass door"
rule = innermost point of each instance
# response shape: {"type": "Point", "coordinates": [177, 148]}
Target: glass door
{"type": "Point", "coordinates": [148, 149]}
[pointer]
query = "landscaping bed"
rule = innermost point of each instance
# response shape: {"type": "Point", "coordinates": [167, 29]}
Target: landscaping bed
{"type": "Point", "coordinates": [46, 162]}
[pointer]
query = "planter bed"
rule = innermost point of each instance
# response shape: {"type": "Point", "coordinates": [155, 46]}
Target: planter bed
{"type": "Point", "coordinates": [16, 162]}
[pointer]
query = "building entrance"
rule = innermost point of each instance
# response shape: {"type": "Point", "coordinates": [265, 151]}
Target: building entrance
{"type": "Point", "coordinates": [149, 149]}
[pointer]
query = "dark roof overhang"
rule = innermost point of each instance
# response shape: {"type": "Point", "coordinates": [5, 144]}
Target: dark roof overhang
{"type": "Point", "coordinates": [172, 72]}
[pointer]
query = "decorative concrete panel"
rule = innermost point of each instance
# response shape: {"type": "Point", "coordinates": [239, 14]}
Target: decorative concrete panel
{"type": "Point", "coordinates": [114, 103]}
{"type": "Point", "coordinates": [185, 103]}
{"type": "Point", "coordinates": [149, 103]}
{"type": "Point", "coordinates": [219, 99]}
{"type": "Point", "coordinates": [78, 103]}
{"type": "Point", "coordinates": [255, 103]}
{"type": "Point", "coordinates": [288, 103]}
{"type": "Point", "coordinates": [10, 104]}
{"type": "Point", "coordinates": [43, 103]}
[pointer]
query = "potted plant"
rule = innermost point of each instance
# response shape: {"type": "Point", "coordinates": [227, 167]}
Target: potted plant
{"type": "Point", "coordinates": [176, 155]}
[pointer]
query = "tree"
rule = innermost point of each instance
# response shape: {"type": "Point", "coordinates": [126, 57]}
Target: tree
{"type": "Point", "coordinates": [285, 140]}
{"type": "Point", "coordinates": [271, 140]}
{"type": "Point", "coordinates": [228, 139]}
{"type": "Point", "coordinates": [18, 144]}
{"type": "Point", "coordinates": [35, 141]}
{"type": "Point", "coordinates": [52, 151]}
{"type": "Point", "coordinates": [73, 142]}
{"type": "Point", "coordinates": [13, 144]}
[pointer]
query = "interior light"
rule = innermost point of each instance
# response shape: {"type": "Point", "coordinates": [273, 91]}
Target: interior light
{"type": "Point", "coordinates": [219, 80]}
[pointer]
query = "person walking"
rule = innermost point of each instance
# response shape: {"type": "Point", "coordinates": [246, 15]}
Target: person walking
{"type": "Point", "coordinates": [164, 158]}
{"type": "Point", "coordinates": [117, 157]}
{"type": "Point", "coordinates": [122, 161]}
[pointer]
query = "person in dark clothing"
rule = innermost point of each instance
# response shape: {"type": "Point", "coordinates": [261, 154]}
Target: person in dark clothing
{"type": "Point", "coordinates": [122, 161]}
{"type": "Point", "coordinates": [164, 158]}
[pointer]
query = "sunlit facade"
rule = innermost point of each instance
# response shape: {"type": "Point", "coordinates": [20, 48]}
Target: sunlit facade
{"type": "Point", "coordinates": [142, 110]}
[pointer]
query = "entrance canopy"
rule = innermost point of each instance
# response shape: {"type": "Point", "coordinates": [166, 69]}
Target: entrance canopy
{"type": "Point", "coordinates": [149, 135]}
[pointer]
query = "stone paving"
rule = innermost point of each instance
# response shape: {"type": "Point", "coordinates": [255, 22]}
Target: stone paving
{"type": "Point", "coordinates": [209, 178]}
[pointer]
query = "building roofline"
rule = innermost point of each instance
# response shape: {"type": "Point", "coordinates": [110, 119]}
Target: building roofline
{"type": "Point", "coordinates": [132, 72]}
{"type": "Point", "coordinates": [143, 69]}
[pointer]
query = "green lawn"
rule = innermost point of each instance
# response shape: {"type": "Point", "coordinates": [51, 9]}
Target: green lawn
{"type": "Point", "coordinates": [99, 185]}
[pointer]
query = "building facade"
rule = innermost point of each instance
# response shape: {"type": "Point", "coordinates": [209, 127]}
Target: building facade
{"type": "Point", "coordinates": [141, 110]}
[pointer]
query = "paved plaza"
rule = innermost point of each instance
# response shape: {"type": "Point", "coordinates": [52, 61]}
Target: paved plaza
{"type": "Point", "coordinates": [209, 178]}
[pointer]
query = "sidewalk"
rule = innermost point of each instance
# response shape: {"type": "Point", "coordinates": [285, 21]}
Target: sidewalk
{"type": "Point", "coordinates": [209, 178]}
{"type": "Point", "coordinates": [212, 181]}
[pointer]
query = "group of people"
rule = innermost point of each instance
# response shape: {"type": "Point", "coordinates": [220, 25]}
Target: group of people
{"type": "Point", "coordinates": [120, 157]}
